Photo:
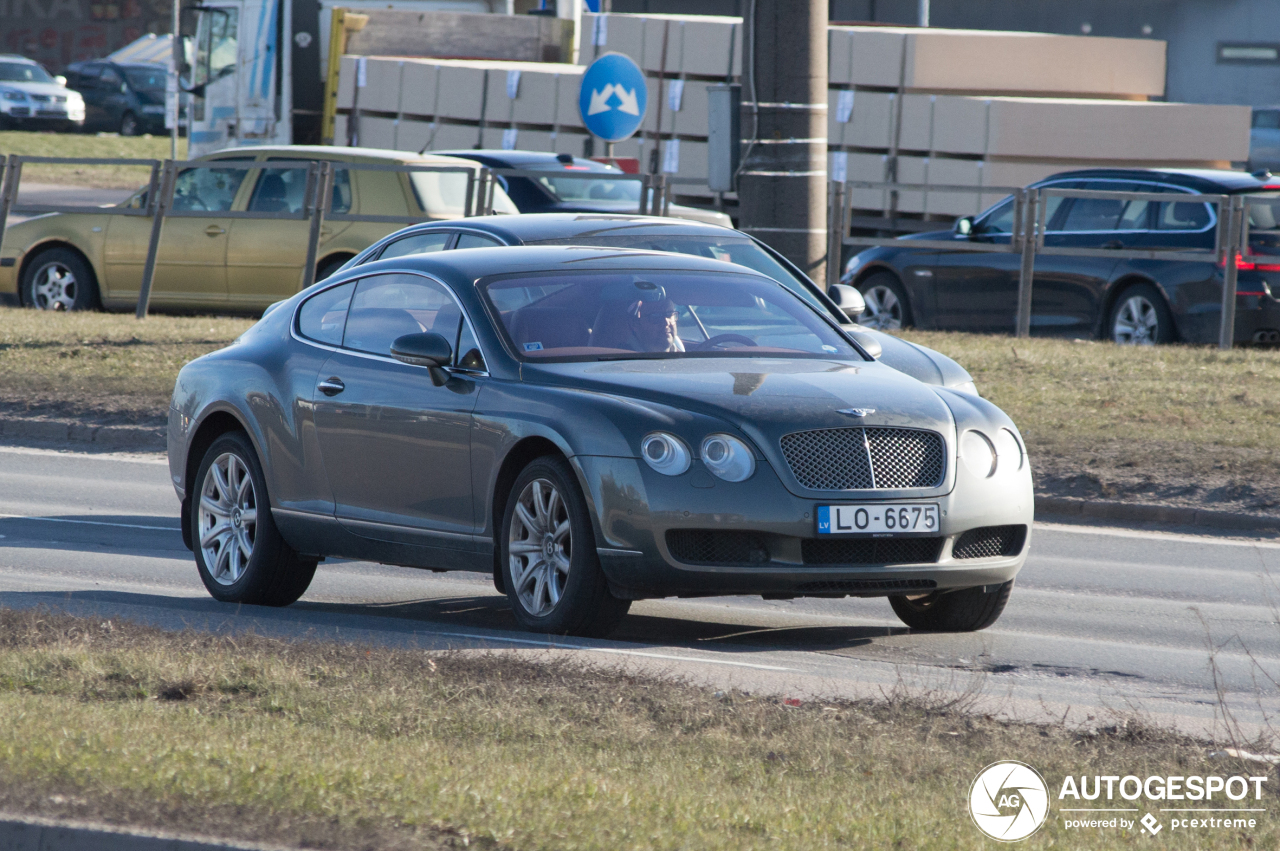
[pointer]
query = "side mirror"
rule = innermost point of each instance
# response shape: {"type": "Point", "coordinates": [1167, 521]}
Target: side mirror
{"type": "Point", "coordinates": [869, 343]}
{"type": "Point", "coordinates": [963, 226]}
{"type": "Point", "coordinates": [430, 350]}
{"type": "Point", "coordinates": [848, 299]}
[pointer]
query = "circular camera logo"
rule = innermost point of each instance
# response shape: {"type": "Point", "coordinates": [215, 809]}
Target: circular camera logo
{"type": "Point", "coordinates": [1009, 801]}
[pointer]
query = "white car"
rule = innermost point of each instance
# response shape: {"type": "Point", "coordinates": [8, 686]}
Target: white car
{"type": "Point", "coordinates": [31, 98]}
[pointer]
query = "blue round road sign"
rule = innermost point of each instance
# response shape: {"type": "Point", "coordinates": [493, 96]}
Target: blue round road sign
{"type": "Point", "coordinates": [613, 97]}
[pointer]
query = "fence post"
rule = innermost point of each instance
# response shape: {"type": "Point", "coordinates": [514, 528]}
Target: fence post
{"type": "Point", "coordinates": [1026, 270]}
{"type": "Point", "coordinates": [835, 232]}
{"type": "Point", "coordinates": [1235, 223]}
{"type": "Point", "coordinates": [12, 173]}
{"type": "Point", "coordinates": [160, 202]}
{"type": "Point", "coordinates": [319, 175]}
{"type": "Point", "coordinates": [491, 181]}
{"type": "Point", "coordinates": [645, 179]}
{"type": "Point", "coordinates": [667, 189]}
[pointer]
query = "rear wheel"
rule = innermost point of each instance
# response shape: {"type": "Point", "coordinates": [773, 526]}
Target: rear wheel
{"type": "Point", "coordinates": [129, 125]}
{"type": "Point", "coordinates": [887, 305]}
{"type": "Point", "coordinates": [329, 266]}
{"type": "Point", "coordinates": [1140, 317]}
{"type": "Point", "coordinates": [59, 279]}
{"type": "Point", "coordinates": [551, 571]}
{"type": "Point", "coordinates": [967, 610]}
{"type": "Point", "coordinates": [240, 554]}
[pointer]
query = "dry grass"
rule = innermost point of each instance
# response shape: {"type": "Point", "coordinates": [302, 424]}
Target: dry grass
{"type": "Point", "coordinates": [1170, 419]}
{"type": "Point", "coordinates": [351, 747]}
{"type": "Point", "coordinates": [102, 145]}
{"type": "Point", "coordinates": [100, 365]}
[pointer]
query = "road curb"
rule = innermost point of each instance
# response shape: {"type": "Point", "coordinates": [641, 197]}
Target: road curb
{"type": "Point", "coordinates": [31, 833]}
{"type": "Point", "coordinates": [74, 431]}
{"type": "Point", "coordinates": [1146, 513]}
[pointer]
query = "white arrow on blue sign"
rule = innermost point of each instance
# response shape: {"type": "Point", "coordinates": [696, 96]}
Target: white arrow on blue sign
{"type": "Point", "coordinates": [613, 97]}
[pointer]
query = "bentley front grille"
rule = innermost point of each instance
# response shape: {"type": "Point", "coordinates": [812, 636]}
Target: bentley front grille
{"type": "Point", "coordinates": [865, 458]}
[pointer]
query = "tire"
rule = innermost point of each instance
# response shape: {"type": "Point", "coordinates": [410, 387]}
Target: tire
{"type": "Point", "coordinates": [59, 279]}
{"type": "Point", "coordinates": [1140, 317]}
{"type": "Point", "coordinates": [329, 266]}
{"type": "Point", "coordinates": [273, 574]}
{"type": "Point", "coordinates": [556, 584]}
{"type": "Point", "coordinates": [129, 125]}
{"type": "Point", "coordinates": [967, 610]}
{"type": "Point", "coordinates": [888, 308]}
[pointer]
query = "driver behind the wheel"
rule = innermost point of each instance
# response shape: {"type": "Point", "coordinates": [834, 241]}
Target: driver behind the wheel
{"type": "Point", "coordinates": [639, 326]}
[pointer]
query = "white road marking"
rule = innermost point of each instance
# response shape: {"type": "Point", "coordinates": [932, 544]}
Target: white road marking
{"type": "Point", "coordinates": [1207, 538]}
{"type": "Point", "coordinates": [89, 522]}
{"type": "Point", "coordinates": [131, 457]}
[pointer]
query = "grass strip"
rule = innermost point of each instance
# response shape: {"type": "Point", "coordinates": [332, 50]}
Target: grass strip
{"type": "Point", "coordinates": [102, 145]}
{"type": "Point", "coordinates": [347, 747]}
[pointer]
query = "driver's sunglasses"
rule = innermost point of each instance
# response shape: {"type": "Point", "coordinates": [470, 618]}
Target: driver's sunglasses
{"type": "Point", "coordinates": [658, 318]}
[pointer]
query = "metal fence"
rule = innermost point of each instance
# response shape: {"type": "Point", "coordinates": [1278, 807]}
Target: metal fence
{"type": "Point", "coordinates": [317, 206]}
{"type": "Point", "coordinates": [1027, 238]}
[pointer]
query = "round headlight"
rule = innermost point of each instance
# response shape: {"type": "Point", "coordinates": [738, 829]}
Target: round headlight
{"type": "Point", "coordinates": [978, 454]}
{"type": "Point", "coordinates": [1008, 449]}
{"type": "Point", "coordinates": [728, 457]}
{"type": "Point", "coordinates": [665, 453]}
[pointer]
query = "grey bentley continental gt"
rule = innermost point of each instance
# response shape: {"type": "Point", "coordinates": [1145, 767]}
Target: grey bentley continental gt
{"type": "Point", "coordinates": [591, 426]}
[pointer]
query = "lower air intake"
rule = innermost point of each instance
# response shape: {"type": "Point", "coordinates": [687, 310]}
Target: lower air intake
{"type": "Point", "coordinates": [867, 586]}
{"type": "Point", "coordinates": [705, 546]}
{"type": "Point", "coordinates": [871, 550]}
{"type": "Point", "coordinates": [990, 542]}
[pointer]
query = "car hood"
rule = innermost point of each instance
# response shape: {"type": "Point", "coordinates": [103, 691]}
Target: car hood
{"type": "Point", "coordinates": [764, 397]}
{"type": "Point", "coordinates": [677, 211]}
{"type": "Point", "coordinates": [40, 88]}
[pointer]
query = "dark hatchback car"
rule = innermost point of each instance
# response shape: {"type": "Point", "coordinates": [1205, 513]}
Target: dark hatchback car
{"type": "Point", "coordinates": [1125, 300]}
{"type": "Point", "coordinates": [123, 98]}
{"type": "Point", "coordinates": [672, 235]}
{"type": "Point", "coordinates": [567, 189]}
{"type": "Point", "coordinates": [591, 426]}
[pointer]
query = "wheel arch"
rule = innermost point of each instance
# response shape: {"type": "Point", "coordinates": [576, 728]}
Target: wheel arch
{"type": "Point", "coordinates": [338, 257]}
{"type": "Point", "coordinates": [517, 458]}
{"type": "Point", "coordinates": [1114, 292]}
{"type": "Point", "coordinates": [212, 427]}
{"type": "Point", "coordinates": [875, 267]}
{"type": "Point", "coordinates": [30, 255]}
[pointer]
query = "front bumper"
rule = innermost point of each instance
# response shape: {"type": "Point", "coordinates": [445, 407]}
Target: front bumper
{"type": "Point", "coordinates": [635, 508]}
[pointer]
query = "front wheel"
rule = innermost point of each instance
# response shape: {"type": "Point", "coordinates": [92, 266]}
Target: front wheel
{"type": "Point", "coordinates": [551, 571]}
{"type": "Point", "coordinates": [240, 553]}
{"type": "Point", "coordinates": [59, 279]}
{"type": "Point", "coordinates": [129, 125]}
{"type": "Point", "coordinates": [968, 610]}
{"type": "Point", "coordinates": [887, 305]}
{"type": "Point", "coordinates": [1140, 317]}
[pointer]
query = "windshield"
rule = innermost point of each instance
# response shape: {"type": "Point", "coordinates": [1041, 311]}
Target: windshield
{"type": "Point", "coordinates": [731, 249]}
{"type": "Point", "coordinates": [598, 186]}
{"type": "Point", "coordinates": [23, 72]}
{"type": "Point", "coordinates": [625, 316]}
{"type": "Point", "coordinates": [145, 79]}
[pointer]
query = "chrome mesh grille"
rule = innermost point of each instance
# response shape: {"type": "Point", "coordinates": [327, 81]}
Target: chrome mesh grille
{"type": "Point", "coordinates": [865, 458]}
{"type": "Point", "coordinates": [871, 550]}
{"type": "Point", "coordinates": [990, 541]}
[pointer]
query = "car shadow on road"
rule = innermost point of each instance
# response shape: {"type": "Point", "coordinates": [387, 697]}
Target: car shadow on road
{"type": "Point", "coordinates": [467, 621]}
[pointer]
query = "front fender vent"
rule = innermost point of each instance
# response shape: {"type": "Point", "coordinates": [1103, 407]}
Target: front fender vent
{"type": "Point", "coordinates": [865, 458]}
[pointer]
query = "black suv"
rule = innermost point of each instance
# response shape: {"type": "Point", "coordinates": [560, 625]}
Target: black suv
{"type": "Point", "coordinates": [126, 98]}
{"type": "Point", "coordinates": [1128, 301]}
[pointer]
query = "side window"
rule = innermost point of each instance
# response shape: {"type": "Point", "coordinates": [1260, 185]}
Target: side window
{"type": "Point", "coordinates": [1183, 215]}
{"type": "Point", "coordinates": [207, 189]}
{"type": "Point", "coordinates": [296, 182]}
{"type": "Point", "coordinates": [999, 220]}
{"type": "Point", "coordinates": [1266, 119]}
{"type": "Point", "coordinates": [419, 243]}
{"type": "Point", "coordinates": [341, 201]}
{"type": "Point", "coordinates": [323, 316]}
{"type": "Point", "coordinates": [467, 352]}
{"type": "Point", "coordinates": [471, 240]}
{"type": "Point", "coordinates": [279, 190]}
{"type": "Point", "coordinates": [389, 306]}
{"type": "Point", "coordinates": [1093, 214]}
{"type": "Point", "coordinates": [110, 80]}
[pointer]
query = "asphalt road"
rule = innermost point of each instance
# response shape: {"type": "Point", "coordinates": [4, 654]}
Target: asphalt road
{"type": "Point", "coordinates": [57, 193]}
{"type": "Point", "coordinates": [1102, 622]}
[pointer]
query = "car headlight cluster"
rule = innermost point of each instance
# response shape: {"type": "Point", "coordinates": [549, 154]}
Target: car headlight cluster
{"type": "Point", "coordinates": [724, 455]}
{"type": "Point", "coordinates": [14, 94]}
{"type": "Point", "coordinates": [984, 455]}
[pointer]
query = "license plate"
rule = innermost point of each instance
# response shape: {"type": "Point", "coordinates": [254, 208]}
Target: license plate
{"type": "Point", "coordinates": [881, 520]}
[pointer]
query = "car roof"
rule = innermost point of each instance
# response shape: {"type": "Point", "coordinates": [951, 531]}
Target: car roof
{"type": "Point", "coordinates": [467, 266]}
{"type": "Point", "coordinates": [526, 227]}
{"type": "Point", "coordinates": [1207, 180]}
{"type": "Point", "coordinates": [525, 159]}
{"type": "Point", "coordinates": [341, 153]}
{"type": "Point", "coordinates": [11, 57]}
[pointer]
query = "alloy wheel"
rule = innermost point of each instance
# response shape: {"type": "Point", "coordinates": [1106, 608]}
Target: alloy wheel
{"type": "Point", "coordinates": [54, 287]}
{"type": "Point", "coordinates": [884, 310]}
{"type": "Point", "coordinates": [1137, 323]}
{"type": "Point", "coordinates": [539, 545]}
{"type": "Point", "coordinates": [228, 518]}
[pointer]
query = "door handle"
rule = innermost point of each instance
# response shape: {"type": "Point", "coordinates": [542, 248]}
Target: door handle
{"type": "Point", "coordinates": [1114, 244]}
{"type": "Point", "coordinates": [331, 386]}
{"type": "Point", "coordinates": [214, 230]}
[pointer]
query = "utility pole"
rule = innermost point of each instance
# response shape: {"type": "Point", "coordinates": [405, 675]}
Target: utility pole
{"type": "Point", "coordinates": [782, 181]}
{"type": "Point", "coordinates": [924, 13]}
